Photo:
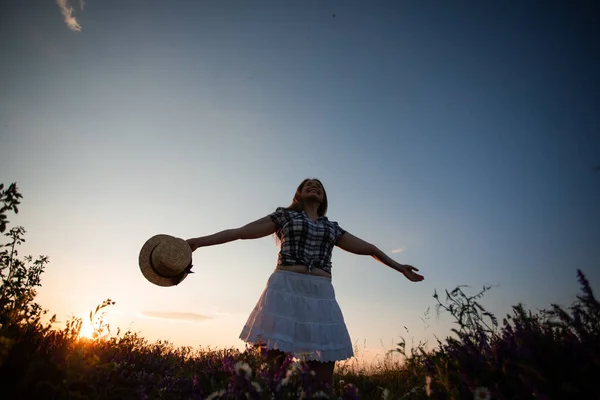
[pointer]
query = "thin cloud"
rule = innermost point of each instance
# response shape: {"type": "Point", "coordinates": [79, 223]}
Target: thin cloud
{"type": "Point", "coordinates": [178, 316]}
{"type": "Point", "coordinates": [398, 250]}
{"type": "Point", "coordinates": [67, 12]}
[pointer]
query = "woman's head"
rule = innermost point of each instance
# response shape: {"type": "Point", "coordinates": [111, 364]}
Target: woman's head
{"type": "Point", "coordinates": [310, 190]}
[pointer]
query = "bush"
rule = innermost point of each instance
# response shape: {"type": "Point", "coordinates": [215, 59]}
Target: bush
{"type": "Point", "coordinates": [553, 354]}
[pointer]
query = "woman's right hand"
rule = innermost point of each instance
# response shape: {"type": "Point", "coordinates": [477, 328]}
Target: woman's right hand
{"type": "Point", "coordinates": [194, 243]}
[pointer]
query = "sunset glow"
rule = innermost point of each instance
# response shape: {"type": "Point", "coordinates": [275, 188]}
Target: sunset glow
{"type": "Point", "coordinates": [87, 330]}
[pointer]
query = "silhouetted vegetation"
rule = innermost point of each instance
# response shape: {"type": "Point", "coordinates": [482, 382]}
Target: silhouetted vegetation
{"type": "Point", "coordinates": [551, 354]}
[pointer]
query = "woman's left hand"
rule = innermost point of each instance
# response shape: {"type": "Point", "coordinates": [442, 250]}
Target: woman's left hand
{"type": "Point", "coordinates": [408, 271]}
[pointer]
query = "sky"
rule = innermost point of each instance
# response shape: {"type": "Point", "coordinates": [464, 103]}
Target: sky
{"type": "Point", "coordinates": [459, 137]}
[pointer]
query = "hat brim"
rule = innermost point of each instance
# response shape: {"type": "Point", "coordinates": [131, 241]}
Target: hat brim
{"type": "Point", "coordinates": [146, 268]}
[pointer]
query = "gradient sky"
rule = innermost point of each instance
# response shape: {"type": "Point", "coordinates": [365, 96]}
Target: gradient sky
{"type": "Point", "coordinates": [460, 137]}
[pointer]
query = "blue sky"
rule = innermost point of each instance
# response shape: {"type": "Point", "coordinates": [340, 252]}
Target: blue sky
{"type": "Point", "coordinates": [462, 135]}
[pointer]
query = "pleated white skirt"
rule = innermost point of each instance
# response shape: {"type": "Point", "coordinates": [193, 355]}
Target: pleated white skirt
{"type": "Point", "coordinates": [298, 314]}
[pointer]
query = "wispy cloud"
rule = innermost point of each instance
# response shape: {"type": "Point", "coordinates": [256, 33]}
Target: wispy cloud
{"type": "Point", "coordinates": [67, 12]}
{"type": "Point", "coordinates": [398, 250]}
{"type": "Point", "coordinates": [178, 316]}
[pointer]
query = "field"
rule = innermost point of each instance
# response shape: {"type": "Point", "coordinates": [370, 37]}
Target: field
{"type": "Point", "coordinates": [550, 354]}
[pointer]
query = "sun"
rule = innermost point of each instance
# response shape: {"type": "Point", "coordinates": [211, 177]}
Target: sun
{"type": "Point", "coordinates": [87, 330]}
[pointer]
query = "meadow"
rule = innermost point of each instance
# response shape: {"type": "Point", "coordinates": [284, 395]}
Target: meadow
{"type": "Point", "coordinates": [550, 354]}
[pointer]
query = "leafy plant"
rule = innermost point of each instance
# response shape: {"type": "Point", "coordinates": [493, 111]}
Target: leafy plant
{"type": "Point", "coordinates": [549, 354]}
{"type": "Point", "coordinates": [19, 278]}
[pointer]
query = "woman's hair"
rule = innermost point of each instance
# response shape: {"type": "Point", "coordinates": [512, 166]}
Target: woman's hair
{"type": "Point", "coordinates": [297, 202]}
{"type": "Point", "coordinates": [298, 206]}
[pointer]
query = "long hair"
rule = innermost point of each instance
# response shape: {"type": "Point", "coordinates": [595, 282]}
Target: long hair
{"type": "Point", "coordinates": [297, 204]}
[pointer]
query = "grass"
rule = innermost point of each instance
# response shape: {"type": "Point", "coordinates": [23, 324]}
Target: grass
{"type": "Point", "coordinates": [549, 354]}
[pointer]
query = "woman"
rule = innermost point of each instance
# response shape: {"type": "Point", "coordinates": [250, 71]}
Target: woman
{"type": "Point", "coordinates": [297, 312]}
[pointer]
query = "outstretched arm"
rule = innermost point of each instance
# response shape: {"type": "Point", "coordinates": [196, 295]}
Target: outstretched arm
{"type": "Point", "coordinates": [356, 245]}
{"type": "Point", "coordinates": [254, 230]}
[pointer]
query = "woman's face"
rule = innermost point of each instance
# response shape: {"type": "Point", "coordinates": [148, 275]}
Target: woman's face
{"type": "Point", "coordinates": [312, 190]}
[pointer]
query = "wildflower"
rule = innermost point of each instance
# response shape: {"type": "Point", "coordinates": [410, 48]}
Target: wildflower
{"type": "Point", "coordinates": [242, 368]}
{"type": "Point", "coordinates": [228, 363]}
{"type": "Point", "coordinates": [290, 372]}
{"type": "Point", "coordinates": [287, 378]}
{"type": "Point", "coordinates": [295, 367]}
{"type": "Point", "coordinates": [256, 386]}
{"type": "Point", "coordinates": [216, 394]}
{"type": "Point", "coordinates": [351, 392]}
{"type": "Point", "coordinates": [385, 394]}
{"type": "Point", "coordinates": [428, 386]}
{"type": "Point", "coordinates": [481, 393]}
{"type": "Point", "coordinates": [319, 394]}
{"type": "Point", "coordinates": [284, 381]}
{"type": "Point", "coordinates": [410, 393]}
{"type": "Point", "coordinates": [301, 394]}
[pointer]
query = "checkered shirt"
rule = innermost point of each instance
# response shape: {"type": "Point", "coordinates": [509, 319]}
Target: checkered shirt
{"type": "Point", "coordinates": [303, 241]}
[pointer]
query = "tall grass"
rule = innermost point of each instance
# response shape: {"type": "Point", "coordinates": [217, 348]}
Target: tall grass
{"type": "Point", "coordinates": [550, 354]}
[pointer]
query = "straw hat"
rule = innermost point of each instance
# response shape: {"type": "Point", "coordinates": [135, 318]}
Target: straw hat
{"type": "Point", "coordinates": [166, 260]}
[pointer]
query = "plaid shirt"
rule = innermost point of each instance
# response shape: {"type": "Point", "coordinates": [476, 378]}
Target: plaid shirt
{"type": "Point", "coordinates": [303, 241]}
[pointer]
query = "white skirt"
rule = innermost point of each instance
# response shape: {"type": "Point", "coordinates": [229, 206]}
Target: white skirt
{"type": "Point", "coordinates": [298, 314]}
